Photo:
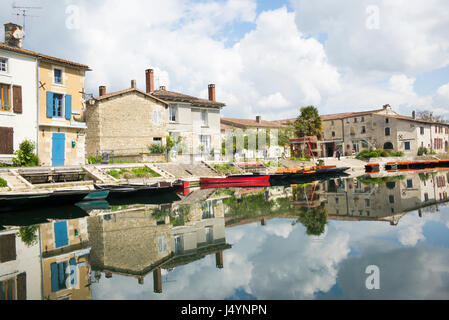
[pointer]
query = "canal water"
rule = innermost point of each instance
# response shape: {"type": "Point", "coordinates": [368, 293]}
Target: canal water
{"type": "Point", "coordinates": [358, 238]}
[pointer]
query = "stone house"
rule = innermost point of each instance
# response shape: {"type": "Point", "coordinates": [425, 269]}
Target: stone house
{"type": "Point", "coordinates": [125, 123]}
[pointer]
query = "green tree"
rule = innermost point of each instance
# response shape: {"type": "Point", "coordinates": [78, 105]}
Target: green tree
{"type": "Point", "coordinates": [308, 123]}
{"type": "Point", "coordinates": [314, 219]}
{"type": "Point", "coordinates": [28, 235]}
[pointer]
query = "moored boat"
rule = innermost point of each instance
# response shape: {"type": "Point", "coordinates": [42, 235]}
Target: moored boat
{"type": "Point", "coordinates": [236, 179]}
{"type": "Point", "coordinates": [126, 190]}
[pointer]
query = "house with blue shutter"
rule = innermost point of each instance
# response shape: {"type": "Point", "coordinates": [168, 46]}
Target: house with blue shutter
{"type": "Point", "coordinates": [42, 99]}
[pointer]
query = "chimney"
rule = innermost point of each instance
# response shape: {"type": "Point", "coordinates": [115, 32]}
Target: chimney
{"type": "Point", "coordinates": [141, 280]}
{"type": "Point", "coordinates": [162, 88]}
{"type": "Point", "coordinates": [149, 77]}
{"type": "Point", "coordinates": [431, 116]}
{"type": "Point", "coordinates": [414, 114]}
{"type": "Point", "coordinates": [102, 91]}
{"type": "Point", "coordinates": [219, 259]}
{"type": "Point", "coordinates": [157, 280]}
{"type": "Point", "coordinates": [14, 35]}
{"type": "Point", "coordinates": [258, 119]}
{"type": "Point", "coordinates": [212, 92]}
{"type": "Point", "coordinates": [133, 84]}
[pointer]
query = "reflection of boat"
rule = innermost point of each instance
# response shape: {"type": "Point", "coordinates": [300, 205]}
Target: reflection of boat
{"type": "Point", "coordinates": [237, 179]}
{"type": "Point", "coordinates": [20, 201]}
{"type": "Point", "coordinates": [307, 174]}
{"type": "Point", "coordinates": [38, 216]}
{"type": "Point", "coordinates": [417, 165]}
{"type": "Point", "coordinates": [126, 190]}
{"type": "Point", "coordinates": [236, 185]}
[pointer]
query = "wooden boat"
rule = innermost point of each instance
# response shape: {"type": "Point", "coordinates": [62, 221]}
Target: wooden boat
{"type": "Point", "coordinates": [126, 190]}
{"type": "Point", "coordinates": [317, 172]}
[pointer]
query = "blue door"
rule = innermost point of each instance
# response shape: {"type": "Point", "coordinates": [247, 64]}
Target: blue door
{"type": "Point", "coordinates": [58, 149]}
{"type": "Point", "coordinates": [61, 237]}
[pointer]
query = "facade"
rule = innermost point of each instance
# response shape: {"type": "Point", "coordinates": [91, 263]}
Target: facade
{"type": "Point", "coordinates": [65, 260]}
{"type": "Point", "coordinates": [18, 96]}
{"type": "Point", "coordinates": [125, 122]}
{"type": "Point", "coordinates": [20, 268]}
{"type": "Point", "coordinates": [191, 121]}
{"type": "Point", "coordinates": [42, 100]}
{"type": "Point", "coordinates": [265, 130]}
{"type": "Point", "coordinates": [381, 129]}
{"type": "Point", "coordinates": [62, 130]}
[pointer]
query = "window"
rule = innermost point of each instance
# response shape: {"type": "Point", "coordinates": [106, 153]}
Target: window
{"type": "Point", "coordinates": [57, 76]}
{"type": "Point", "coordinates": [157, 141]}
{"type": "Point", "coordinates": [203, 118]}
{"type": "Point", "coordinates": [367, 213]}
{"type": "Point", "coordinates": [161, 244]}
{"type": "Point", "coordinates": [409, 183]}
{"type": "Point", "coordinates": [172, 114]}
{"type": "Point", "coordinates": [367, 203]}
{"type": "Point", "coordinates": [391, 198]}
{"type": "Point", "coordinates": [7, 289]}
{"type": "Point", "coordinates": [363, 119]}
{"type": "Point", "coordinates": [421, 130]}
{"type": "Point", "coordinates": [5, 98]}
{"type": "Point", "coordinates": [3, 65]}
{"type": "Point", "coordinates": [388, 146]}
{"type": "Point", "coordinates": [363, 129]}
{"type": "Point", "coordinates": [157, 117]}
{"type": "Point", "coordinates": [426, 197]}
{"type": "Point", "coordinates": [57, 105]}
{"type": "Point", "coordinates": [207, 210]}
{"type": "Point", "coordinates": [387, 120]}
{"type": "Point", "coordinates": [336, 200]}
{"type": "Point", "coordinates": [332, 122]}
{"type": "Point", "coordinates": [63, 275]}
{"type": "Point", "coordinates": [355, 120]}
{"type": "Point", "coordinates": [407, 145]}
{"type": "Point", "coordinates": [204, 143]}
{"type": "Point", "coordinates": [179, 247]}
{"type": "Point", "coordinates": [333, 133]}
{"type": "Point", "coordinates": [7, 248]}
{"type": "Point", "coordinates": [209, 234]}
{"type": "Point", "coordinates": [6, 140]}
{"type": "Point", "coordinates": [387, 131]}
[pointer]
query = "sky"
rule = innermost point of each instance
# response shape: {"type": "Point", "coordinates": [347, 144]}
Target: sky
{"type": "Point", "coordinates": [266, 58]}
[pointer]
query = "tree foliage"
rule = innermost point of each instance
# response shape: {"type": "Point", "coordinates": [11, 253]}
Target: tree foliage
{"type": "Point", "coordinates": [25, 156]}
{"type": "Point", "coordinates": [28, 235]}
{"type": "Point", "coordinates": [308, 123]}
{"type": "Point", "coordinates": [314, 219]}
{"type": "Point", "coordinates": [428, 115]}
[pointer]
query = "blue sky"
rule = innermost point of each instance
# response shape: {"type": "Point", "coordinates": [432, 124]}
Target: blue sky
{"type": "Point", "coordinates": [266, 58]}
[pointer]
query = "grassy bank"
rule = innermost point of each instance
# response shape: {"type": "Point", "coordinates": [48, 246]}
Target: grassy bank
{"type": "Point", "coordinates": [143, 172]}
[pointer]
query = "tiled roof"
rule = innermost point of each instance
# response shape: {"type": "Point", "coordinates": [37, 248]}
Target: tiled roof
{"type": "Point", "coordinates": [117, 93]}
{"type": "Point", "coordinates": [244, 123]}
{"type": "Point", "coordinates": [44, 57]}
{"type": "Point", "coordinates": [412, 119]}
{"type": "Point", "coordinates": [175, 96]}
{"type": "Point", "coordinates": [344, 115]}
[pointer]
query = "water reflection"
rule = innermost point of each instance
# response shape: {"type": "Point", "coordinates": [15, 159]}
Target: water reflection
{"type": "Point", "coordinates": [298, 242]}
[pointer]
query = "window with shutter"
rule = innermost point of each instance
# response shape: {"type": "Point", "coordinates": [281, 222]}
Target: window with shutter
{"type": "Point", "coordinates": [7, 248]}
{"type": "Point", "coordinates": [6, 140]}
{"type": "Point", "coordinates": [5, 98]}
{"type": "Point", "coordinates": [17, 98]}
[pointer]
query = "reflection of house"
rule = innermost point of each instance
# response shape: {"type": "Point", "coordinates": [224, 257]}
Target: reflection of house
{"type": "Point", "coordinates": [20, 268]}
{"type": "Point", "coordinates": [139, 242]}
{"type": "Point", "coordinates": [359, 200]}
{"type": "Point", "coordinates": [65, 266]}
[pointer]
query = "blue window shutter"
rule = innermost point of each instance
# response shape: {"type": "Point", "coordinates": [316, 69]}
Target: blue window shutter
{"type": "Point", "coordinates": [49, 104]}
{"type": "Point", "coordinates": [72, 272]}
{"type": "Point", "coordinates": [68, 107]}
{"type": "Point", "coordinates": [54, 277]}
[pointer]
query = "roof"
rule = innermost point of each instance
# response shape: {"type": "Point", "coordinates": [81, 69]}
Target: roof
{"type": "Point", "coordinates": [180, 97]}
{"type": "Point", "coordinates": [126, 91]}
{"type": "Point", "coordinates": [44, 57]}
{"type": "Point", "coordinates": [244, 123]}
{"type": "Point", "coordinates": [412, 119]}
{"type": "Point", "coordinates": [336, 116]}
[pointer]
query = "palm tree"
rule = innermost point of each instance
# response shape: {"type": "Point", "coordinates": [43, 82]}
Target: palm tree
{"type": "Point", "coordinates": [308, 123]}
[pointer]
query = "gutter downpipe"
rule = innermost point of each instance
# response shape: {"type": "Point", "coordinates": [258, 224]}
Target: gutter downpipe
{"type": "Point", "coordinates": [38, 108]}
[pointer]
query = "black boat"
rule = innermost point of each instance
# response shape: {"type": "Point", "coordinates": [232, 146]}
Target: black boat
{"type": "Point", "coordinates": [309, 174]}
{"type": "Point", "coordinates": [21, 201]}
{"type": "Point", "coordinates": [127, 190]}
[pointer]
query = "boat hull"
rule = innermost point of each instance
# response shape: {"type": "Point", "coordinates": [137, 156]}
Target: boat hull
{"type": "Point", "coordinates": [247, 179]}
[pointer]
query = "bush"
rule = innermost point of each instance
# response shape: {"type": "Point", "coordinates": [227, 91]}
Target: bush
{"type": "Point", "coordinates": [367, 154]}
{"type": "Point", "coordinates": [3, 183]}
{"type": "Point", "coordinates": [225, 168]}
{"type": "Point", "coordinates": [94, 160]}
{"type": "Point", "coordinates": [157, 148]}
{"type": "Point", "coordinates": [114, 173]}
{"type": "Point", "coordinates": [25, 156]}
{"type": "Point", "coordinates": [422, 151]}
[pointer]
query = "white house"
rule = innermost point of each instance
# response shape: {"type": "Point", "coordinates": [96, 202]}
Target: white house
{"type": "Point", "coordinates": [196, 121]}
{"type": "Point", "coordinates": [18, 93]}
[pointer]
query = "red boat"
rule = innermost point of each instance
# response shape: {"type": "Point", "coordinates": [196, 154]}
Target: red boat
{"type": "Point", "coordinates": [238, 179]}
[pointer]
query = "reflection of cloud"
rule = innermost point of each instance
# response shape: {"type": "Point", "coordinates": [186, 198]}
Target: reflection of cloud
{"type": "Point", "coordinates": [279, 228]}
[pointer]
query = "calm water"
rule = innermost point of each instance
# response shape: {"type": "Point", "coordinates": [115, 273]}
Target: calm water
{"type": "Point", "coordinates": [311, 241]}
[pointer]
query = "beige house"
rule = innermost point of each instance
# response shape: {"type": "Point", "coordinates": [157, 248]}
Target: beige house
{"type": "Point", "coordinates": [383, 128]}
{"type": "Point", "coordinates": [125, 123]}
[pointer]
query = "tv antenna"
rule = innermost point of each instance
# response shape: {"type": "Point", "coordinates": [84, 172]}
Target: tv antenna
{"type": "Point", "coordinates": [22, 11]}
